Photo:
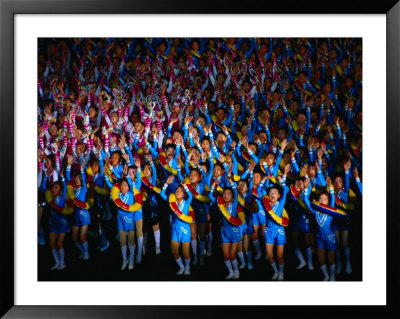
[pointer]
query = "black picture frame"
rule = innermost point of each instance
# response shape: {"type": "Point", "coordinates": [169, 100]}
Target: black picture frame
{"type": "Point", "coordinates": [8, 9]}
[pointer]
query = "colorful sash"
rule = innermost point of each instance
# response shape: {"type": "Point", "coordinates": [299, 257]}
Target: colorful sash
{"type": "Point", "coordinates": [147, 183]}
{"type": "Point", "coordinates": [129, 208]}
{"type": "Point", "coordinates": [253, 207]}
{"type": "Point", "coordinates": [296, 197]}
{"type": "Point", "coordinates": [62, 210]}
{"type": "Point", "coordinates": [199, 197]}
{"type": "Point", "coordinates": [236, 221]}
{"type": "Point", "coordinates": [165, 164]}
{"type": "Point", "coordinates": [283, 221]}
{"type": "Point", "coordinates": [72, 200]}
{"type": "Point", "coordinates": [174, 206]}
{"type": "Point", "coordinates": [327, 209]}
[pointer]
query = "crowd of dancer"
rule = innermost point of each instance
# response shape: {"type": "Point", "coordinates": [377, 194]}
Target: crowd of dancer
{"type": "Point", "coordinates": [249, 142]}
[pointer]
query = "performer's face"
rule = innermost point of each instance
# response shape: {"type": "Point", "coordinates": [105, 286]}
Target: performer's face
{"type": "Point", "coordinates": [124, 187]}
{"type": "Point", "coordinates": [227, 195]}
{"type": "Point", "coordinates": [299, 185]}
{"type": "Point", "coordinates": [274, 195]}
{"type": "Point", "coordinates": [324, 199]}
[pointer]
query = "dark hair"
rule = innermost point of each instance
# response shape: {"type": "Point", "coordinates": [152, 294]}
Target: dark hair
{"type": "Point", "coordinates": [220, 165]}
{"type": "Point", "coordinates": [170, 145]}
{"type": "Point", "coordinates": [279, 188]}
{"type": "Point", "coordinates": [197, 170]}
{"type": "Point", "coordinates": [324, 192]}
{"type": "Point", "coordinates": [246, 181]}
{"type": "Point", "coordinates": [119, 154]}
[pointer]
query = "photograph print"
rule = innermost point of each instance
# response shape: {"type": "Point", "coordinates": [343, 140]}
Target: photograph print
{"type": "Point", "coordinates": [199, 159]}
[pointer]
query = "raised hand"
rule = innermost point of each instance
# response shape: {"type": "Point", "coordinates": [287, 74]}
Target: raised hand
{"type": "Point", "coordinates": [328, 182]}
{"type": "Point", "coordinates": [70, 160]}
{"type": "Point", "coordinates": [319, 154]}
{"type": "Point", "coordinates": [287, 169]}
{"type": "Point", "coordinates": [355, 172]}
{"type": "Point", "coordinates": [137, 163]}
{"type": "Point", "coordinates": [284, 144]}
{"type": "Point", "coordinates": [304, 169]}
{"type": "Point", "coordinates": [170, 179]}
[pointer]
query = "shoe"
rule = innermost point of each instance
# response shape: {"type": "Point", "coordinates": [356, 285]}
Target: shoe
{"type": "Point", "coordinates": [86, 257]}
{"type": "Point", "coordinates": [242, 266]}
{"type": "Point", "coordinates": [275, 276]}
{"type": "Point", "coordinates": [280, 276]}
{"type": "Point", "coordinates": [202, 262]}
{"type": "Point", "coordinates": [326, 278]}
{"type": "Point", "coordinates": [138, 259]}
{"type": "Point", "coordinates": [55, 267]}
{"type": "Point", "coordinates": [61, 267]}
{"type": "Point", "coordinates": [236, 275]}
{"type": "Point", "coordinates": [194, 260]}
{"type": "Point", "coordinates": [338, 270]}
{"type": "Point", "coordinates": [41, 241]}
{"type": "Point", "coordinates": [131, 265]}
{"type": "Point", "coordinates": [209, 252]}
{"type": "Point", "coordinates": [124, 264]}
{"type": "Point", "coordinates": [249, 266]}
{"type": "Point", "coordinates": [310, 267]}
{"type": "Point", "coordinates": [158, 250]}
{"type": "Point", "coordinates": [230, 276]}
{"type": "Point", "coordinates": [332, 278]}
{"type": "Point", "coordinates": [181, 271]}
{"type": "Point", "coordinates": [302, 265]}
{"type": "Point", "coordinates": [258, 256]}
{"type": "Point", "coordinates": [187, 271]}
{"type": "Point", "coordinates": [105, 247]}
{"type": "Point", "coordinates": [143, 250]}
{"type": "Point", "coordinates": [348, 269]}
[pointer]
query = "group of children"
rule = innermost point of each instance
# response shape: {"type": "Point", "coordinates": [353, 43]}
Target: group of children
{"type": "Point", "coordinates": [246, 141]}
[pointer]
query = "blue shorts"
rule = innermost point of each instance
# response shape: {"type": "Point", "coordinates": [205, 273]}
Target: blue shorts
{"type": "Point", "coordinates": [138, 215]}
{"type": "Point", "coordinates": [82, 217]}
{"type": "Point", "coordinates": [301, 225]}
{"type": "Point", "coordinates": [340, 223]}
{"type": "Point", "coordinates": [59, 224]}
{"type": "Point", "coordinates": [230, 234]}
{"type": "Point", "coordinates": [326, 241]}
{"type": "Point", "coordinates": [275, 234]}
{"type": "Point", "coordinates": [126, 222]}
{"type": "Point", "coordinates": [200, 214]}
{"type": "Point", "coordinates": [259, 218]}
{"type": "Point", "coordinates": [248, 227]}
{"type": "Point", "coordinates": [181, 233]}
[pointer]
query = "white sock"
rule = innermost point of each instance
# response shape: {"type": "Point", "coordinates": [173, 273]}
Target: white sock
{"type": "Point", "coordinates": [157, 238]}
{"type": "Point", "coordinates": [79, 245]}
{"type": "Point", "coordinates": [55, 256]}
{"type": "Point", "coordinates": [338, 258]}
{"type": "Point", "coordinates": [187, 263]}
{"type": "Point", "coordinates": [194, 246]}
{"type": "Point", "coordinates": [179, 262]}
{"type": "Point", "coordinates": [209, 239]}
{"type": "Point", "coordinates": [131, 253]}
{"type": "Point", "coordinates": [229, 266]}
{"type": "Point", "coordinates": [347, 254]}
{"type": "Point", "coordinates": [299, 255]}
{"type": "Point", "coordinates": [256, 244]}
{"type": "Point", "coordinates": [274, 267]}
{"type": "Point", "coordinates": [202, 247]}
{"type": "Point", "coordinates": [324, 271]}
{"type": "Point", "coordinates": [281, 267]}
{"type": "Point", "coordinates": [235, 265]}
{"type": "Point", "coordinates": [61, 254]}
{"type": "Point", "coordinates": [140, 246]}
{"type": "Point", "coordinates": [241, 257]}
{"type": "Point", "coordinates": [123, 251]}
{"type": "Point", "coordinates": [309, 255]}
{"type": "Point", "coordinates": [332, 269]}
{"type": "Point", "coordinates": [86, 247]}
{"type": "Point", "coordinates": [249, 257]}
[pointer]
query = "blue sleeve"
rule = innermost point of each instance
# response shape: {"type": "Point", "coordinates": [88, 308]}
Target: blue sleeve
{"type": "Point", "coordinates": [108, 182]}
{"type": "Point", "coordinates": [138, 182]}
{"type": "Point", "coordinates": [307, 202]}
{"type": "Point", "coordinates": [162, 194]}
{"type": "Point", "coordinates": [68, 174]}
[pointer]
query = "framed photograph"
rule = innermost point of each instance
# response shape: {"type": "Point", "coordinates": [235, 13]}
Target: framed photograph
{"type": "Point", "coordinates": [263, 59]}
